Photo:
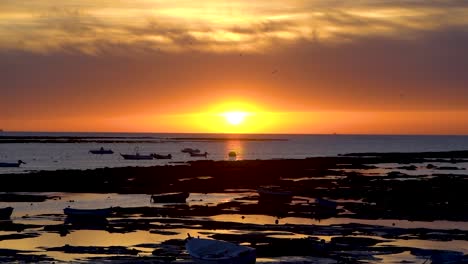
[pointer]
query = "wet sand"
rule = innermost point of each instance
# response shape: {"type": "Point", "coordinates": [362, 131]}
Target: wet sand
{"type": "Point", "coordinates": [391, 208]}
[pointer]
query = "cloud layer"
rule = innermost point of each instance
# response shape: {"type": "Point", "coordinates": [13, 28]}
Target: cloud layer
{"type": "Point", "coordinates": [215, 26]}
{"type": "Point", "coordinates": [107, 59]}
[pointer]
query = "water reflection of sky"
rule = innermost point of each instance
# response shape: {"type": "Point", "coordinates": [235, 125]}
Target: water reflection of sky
{"type": "Point", "coordinates": [50, 212]}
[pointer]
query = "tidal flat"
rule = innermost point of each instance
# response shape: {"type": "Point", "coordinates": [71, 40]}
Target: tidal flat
{"type": "Point", "coordinates": [390, 208]}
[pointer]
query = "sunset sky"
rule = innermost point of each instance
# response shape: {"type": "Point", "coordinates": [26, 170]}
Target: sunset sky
{"type": "Point", "coordinates": [289, 66]}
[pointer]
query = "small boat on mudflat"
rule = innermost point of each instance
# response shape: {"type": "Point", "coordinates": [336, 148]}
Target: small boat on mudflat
{"type": "Point", "coordinates": [101, 151]}
{"type": "Point", "coordinates": [104, 212]}
{"type": "Point", "coordinates": [12, 164]}
{"type": "Point", "coordinates": [274, 193]}
{"type": "Point", "coordinates": [209, 251]}
{"type": "Point", "coordinates": [176, 197]}
{"type": "Point", "coordinates": [326, 203]}
{"type": "Point", "coordinates": [159, 156]}
{"type": "Point", "coordinates": [5, 213]}
{"type": "Point", "coordinates": [190, 150]}
{"type": "Point", "coordinates": [199, 154]}
{"type": "Point", "coordinates": [137, 156]}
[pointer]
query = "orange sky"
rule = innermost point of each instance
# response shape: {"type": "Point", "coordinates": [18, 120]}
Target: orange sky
{"type": "Point", "coordinates": [385, 67]}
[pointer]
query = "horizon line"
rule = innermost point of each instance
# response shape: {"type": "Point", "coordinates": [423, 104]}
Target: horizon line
{"type": "Point", "coordinates": [227, 133]}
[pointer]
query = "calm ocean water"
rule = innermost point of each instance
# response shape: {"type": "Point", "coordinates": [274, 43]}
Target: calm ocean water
{"type": "Point", "coordinates": [53, 156]}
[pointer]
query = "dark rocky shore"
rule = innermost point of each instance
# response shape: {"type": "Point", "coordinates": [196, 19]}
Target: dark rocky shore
{"type": "Point", "coordinates": [441, 196]}
{"type": "Point", "coordinates": [392, 195]}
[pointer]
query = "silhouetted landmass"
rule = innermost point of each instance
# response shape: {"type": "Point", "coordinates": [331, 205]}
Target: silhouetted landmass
{"type": "Point", "coordinates": [117, 139]}
{"type": "Point", "coordinates": [227, 139]}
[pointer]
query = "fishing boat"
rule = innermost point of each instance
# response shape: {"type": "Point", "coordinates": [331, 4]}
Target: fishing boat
{"type": "Point", "coordinates": [136, 156]}
{"type": "Point", "coordinates": [190, 150]}
{"type": "Point", "coordinates": [324, 203]}
{"type": "Point", "coordinates": [11, 164]}
{"type": "Point", "coordinates": [199, 154]}
{"type": "Point", "coordinates": [209, 251]}
{"type": "Point", "coordinates": [5, 213]}
{"type": "Point", "coordinates": [101, 151]}
{"type": "Point", "coordinates": [159, 156]}
{"type": "Point", "coordinates": [104, 212]}
{"type": "Point", "coordinates": [324, 208]}
{"type": "Point", "coordinates": [232, 154]}
{"type": "Point", "coordinates": [274, 193]}
{"type": "Point", "coordinates": [176, 197]}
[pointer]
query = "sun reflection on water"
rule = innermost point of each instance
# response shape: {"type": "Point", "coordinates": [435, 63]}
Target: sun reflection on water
{"type": "Point", "coordinates": [236, 146]}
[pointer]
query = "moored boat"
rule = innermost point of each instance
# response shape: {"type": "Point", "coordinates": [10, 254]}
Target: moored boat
{"type": "Point", "coordinates": [159, 156]}
{"type": "Point", "coordinates": [101, 151]}
{"type": "Point", "coordinates": [176, 197]}
{"type": "Point", "coordinates": [205, 154]}
{"type": "Point", "coordinates": [326, 203]}
{"type": "Point", "coordinates": [5, 213]}
{"type": "Point", "coordinates": [104, 212]}
{"type": "Point", "coordinates": [209, 251]}
{"type": "Point", "coordinates": [136, 156]}
{"type": "Point", "coordinates": [190, 150]}
{"type": "Point", "coordinates": [274, 193]}
{"type": "Point", "coordinates": [12, 164]}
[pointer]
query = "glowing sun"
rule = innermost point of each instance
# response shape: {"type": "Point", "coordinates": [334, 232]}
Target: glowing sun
{"type": "Point", "coordinates": [235, 118]}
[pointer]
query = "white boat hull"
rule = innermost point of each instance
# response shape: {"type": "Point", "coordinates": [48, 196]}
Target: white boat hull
{"type": "Point", "coordinates": [105, 212]}
{"type": "Point", "coordinates": [208, 251]}
{"type": "Point", "coordinates": [238, 260]}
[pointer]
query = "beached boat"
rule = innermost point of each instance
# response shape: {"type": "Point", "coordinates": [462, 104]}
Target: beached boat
{"type": "Point", "coordinates": [190, 150]}
{"type": "Point", "coordinates": [176, 197]}
{"type": "Point", "coordinates": [209, 251]}
{"type": "Point", "coordinates": [6, 212]}
{"type": "Point", "coordinates": [324, 208]}
{"type": "Point", "coordinates": [11, 164]}
{"type": "Point", "coordinates": [326, 203]}
{"type": "Point", "coordinates": [159, 156]}
{"type": "Point", "coordinates": [101, 151]}
{"type": "Point", "coordinates": [199, 154]}
{"type": "Point", "coordinates": [274, 193]}
{"type": "Point", "coordinates": [104, 212]}
{"type": "Point", "coordinates": [137, 156]}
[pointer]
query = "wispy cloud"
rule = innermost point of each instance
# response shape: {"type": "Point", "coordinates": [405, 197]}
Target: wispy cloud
{"type": "Point", "coordinates": [213, 26]}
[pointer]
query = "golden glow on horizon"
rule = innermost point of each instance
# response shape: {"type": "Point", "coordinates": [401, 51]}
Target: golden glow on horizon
{"type": "Point", "coordinates": [450, 122]}
{"type": "Point", "coordinates": [235, 118]}
{"type": "Point", "coordinates": [230, 117]}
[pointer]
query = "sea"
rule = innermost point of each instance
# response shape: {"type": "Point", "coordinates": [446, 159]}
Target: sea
{"type": "Point", "coordinates": [54, 151]}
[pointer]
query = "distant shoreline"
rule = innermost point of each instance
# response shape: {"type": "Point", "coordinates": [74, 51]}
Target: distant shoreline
{"type": "Point", "coordinates": [115, 137]}
{"type": "Point", "coordinates": [211, 134]}
{"type": "Point", "coordinates": [120, 139]}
